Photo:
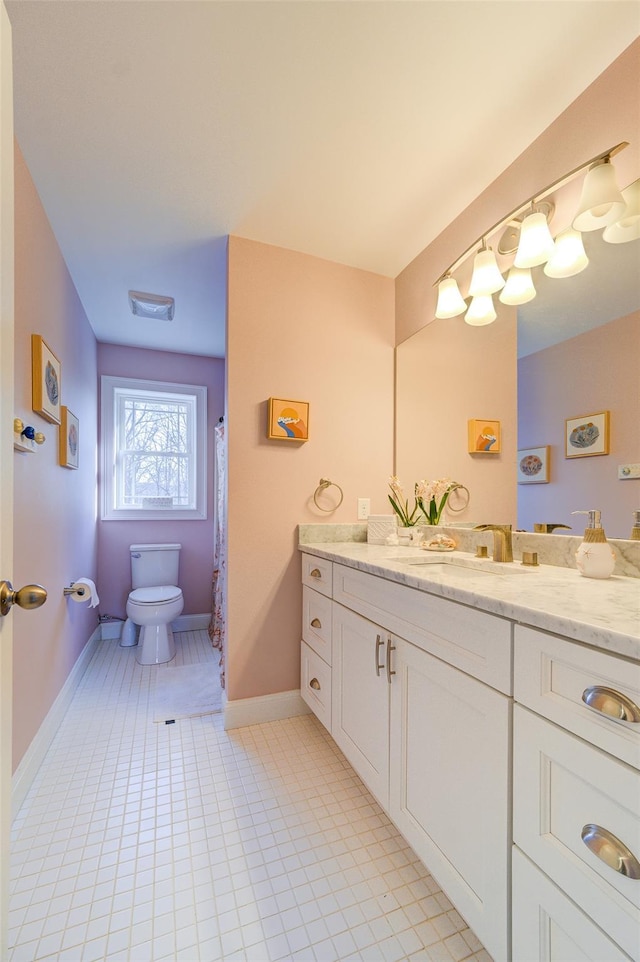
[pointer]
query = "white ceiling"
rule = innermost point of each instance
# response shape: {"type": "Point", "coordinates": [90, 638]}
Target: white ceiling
{"type": "Point", "coordinates": [350, 130]}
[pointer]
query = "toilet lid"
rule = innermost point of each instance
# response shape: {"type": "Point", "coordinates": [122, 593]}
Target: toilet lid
{"type": "Point", "coordinates": [155, 596]}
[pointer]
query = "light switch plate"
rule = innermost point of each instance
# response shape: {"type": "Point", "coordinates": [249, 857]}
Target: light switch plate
{"type": "Point", "coordinates": [627, 471]}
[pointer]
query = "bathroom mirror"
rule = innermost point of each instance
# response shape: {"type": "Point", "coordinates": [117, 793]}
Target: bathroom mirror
{"type": "Point", "coordinates": [578, 347]}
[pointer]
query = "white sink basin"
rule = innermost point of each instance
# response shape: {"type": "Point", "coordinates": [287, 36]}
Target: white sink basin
{"type": "Point", "coordinates": [466, 567]}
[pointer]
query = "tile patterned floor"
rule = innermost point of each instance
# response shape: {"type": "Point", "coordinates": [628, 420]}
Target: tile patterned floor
{"type": "Point", "coordinates": [145, 842]}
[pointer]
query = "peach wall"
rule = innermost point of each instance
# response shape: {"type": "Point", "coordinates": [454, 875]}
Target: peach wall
{"type": "Point", "coordinates": [553, 386]}
{"type": "Point", "coordinates": [307, 329]}
{"type": "Point", "coordinates": [447, 374]}
{"type": "Point", "coordinates": [196, 537]}
{"type": "Point", "coordinates": [54, 507]}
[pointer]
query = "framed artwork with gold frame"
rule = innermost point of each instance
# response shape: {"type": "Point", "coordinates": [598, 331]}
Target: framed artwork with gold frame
{"type": "Point", "coordinates": [587, 435]}
{"type": "Point", "coordinates": [484, 436]}
{"type": "Point", "coordinates": [69, 439]}
{"type": "Point", "coordinates": [46, 374]}
{"type": "Point", "coordinates": [288, 420]}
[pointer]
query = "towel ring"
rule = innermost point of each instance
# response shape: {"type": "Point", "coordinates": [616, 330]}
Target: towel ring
{"type": "Point", "coordinates": [458, 487]}
{"type": "Point", "coordinates": [322, 486]}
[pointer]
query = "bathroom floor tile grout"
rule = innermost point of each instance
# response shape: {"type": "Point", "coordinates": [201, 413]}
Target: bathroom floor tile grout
{"type": "Point", "coordinates": [145, 842]}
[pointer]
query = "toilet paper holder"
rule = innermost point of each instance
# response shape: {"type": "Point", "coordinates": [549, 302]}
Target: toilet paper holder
{"type": "Point", "coordinates": [80, 590]}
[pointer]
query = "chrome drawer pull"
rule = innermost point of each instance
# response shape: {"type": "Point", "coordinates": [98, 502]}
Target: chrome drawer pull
{"type": "Point", "coordinates": [379, 644]}
{"type": "Point", "coordinates": [316, 623]}
{"type": "Point", "coordinates": [610, 850]}
{"type": "Point", "coordinates": [613, 703]}
{"type": "Point", "coordinates": [316, 573]}
{"type": "Point", "coordinates": [315, 684]}
{"type": "Point", "coordinates": [390, 648]}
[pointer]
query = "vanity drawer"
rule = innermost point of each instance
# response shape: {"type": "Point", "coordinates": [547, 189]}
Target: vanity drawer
{"type": "Point", "coordinates": [553, 674]}
{"type": "Point", "coordinates": [474, 641]}
{"type": "Point", "coordinates": [317, 574]}
{"type": "Point", "coordinates": [315, 684]}
{"type": "Point", "coordinates": [548, 927]}
{"type": "Point", "coordinates": [561, 786]}
{"type": "Point", "coordinates": [316, 622]}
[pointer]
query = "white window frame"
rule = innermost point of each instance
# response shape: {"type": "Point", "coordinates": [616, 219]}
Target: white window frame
{"type": "Point", "coordinates": [109, 386]}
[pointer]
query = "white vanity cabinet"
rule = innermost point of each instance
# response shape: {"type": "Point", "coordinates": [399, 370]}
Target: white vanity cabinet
{"type": "Point", "coordinates": [576, 805]}
{"type": "Point", "coordinates": [421, 708]}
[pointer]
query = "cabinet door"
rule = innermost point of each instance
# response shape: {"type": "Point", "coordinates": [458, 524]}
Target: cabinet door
{"type": "Point", "coordinates": [450, 785]}
{"type": "Point", "coordinates": [360, 698]}
{"type": "Point", "coordinates": [549, 927]}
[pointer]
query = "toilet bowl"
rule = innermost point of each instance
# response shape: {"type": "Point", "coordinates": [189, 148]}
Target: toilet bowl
{"type": "Point", "coordinates": [154, 609]}
{"type": "Point", "coordinates": [155, 601]}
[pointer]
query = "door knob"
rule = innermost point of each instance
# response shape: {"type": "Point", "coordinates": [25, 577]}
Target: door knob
{"type": "Point", "coordinates": [31, 596]}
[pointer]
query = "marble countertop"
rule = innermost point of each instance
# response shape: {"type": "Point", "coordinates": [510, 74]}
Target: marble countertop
{"type": "Point", "coordinates": [602, 613]}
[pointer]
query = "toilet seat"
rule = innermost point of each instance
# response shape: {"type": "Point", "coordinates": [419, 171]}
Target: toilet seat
{"type": "Point", "coordinates": [159, 595]}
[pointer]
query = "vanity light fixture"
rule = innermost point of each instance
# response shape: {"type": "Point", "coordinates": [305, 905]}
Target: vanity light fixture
{"type": "Point", "coordinates": [155, 306]}
{"type": "Point", "coordinates": [628, 227]}
{"type": "Point", "coordinates": [536, 243]}
{"type": "Point", "coordinates": [481, 311]}
{"type": "Point", "coordinates": [601, 202]}
{"type": "Point", "coordinates": [486, 277]}
{"type": "Point", "coordinates": [450, 300]}
{"type": "Point", "coordinates": [519, 288]}
{"type": "Point", "coordinates": [569, 256]}
{"type": "Point", "coordinates": [528, 235]}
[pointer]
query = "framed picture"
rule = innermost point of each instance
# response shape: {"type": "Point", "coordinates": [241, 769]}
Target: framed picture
{"type": "Point", "coordinates": [45, 380]}
{"type": "Point", "coordinates": [533, 465]}
{"type": "Point", "coordinates": [288, 420]}
{"type": "Point", "coordinates": [587, 435]}
{"type": "Point", "coordinates": [69, 438]}
{"type": "Point", "coordinates": [484, 436]}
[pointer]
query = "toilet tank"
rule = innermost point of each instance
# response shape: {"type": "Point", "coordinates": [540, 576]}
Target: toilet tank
{"type": "Point", "coordinates": [154, 564]}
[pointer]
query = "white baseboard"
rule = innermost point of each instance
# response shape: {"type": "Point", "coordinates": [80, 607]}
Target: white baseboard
{"type": "Point", "coordinates": [191, 622]}
{"type": "Point", "coordinates": [264, 708]}
{"type": "Point", "coordinates": [112, 629]}
{"type": "Point", "coordinates": [33, 757]}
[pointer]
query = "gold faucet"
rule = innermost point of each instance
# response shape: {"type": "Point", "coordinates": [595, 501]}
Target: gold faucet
{"type": "Point", "coordinates": [502, 541]}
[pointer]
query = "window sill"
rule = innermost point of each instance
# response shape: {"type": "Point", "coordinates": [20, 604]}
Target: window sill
{"type": "Point", "coordinates": [138, 514]}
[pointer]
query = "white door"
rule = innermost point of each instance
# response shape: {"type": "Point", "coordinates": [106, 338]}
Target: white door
{"type": "Point", "coordinates": [6, 452]}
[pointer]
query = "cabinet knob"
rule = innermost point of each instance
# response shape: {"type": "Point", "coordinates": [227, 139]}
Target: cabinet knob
{"type": "Point", "coordinates": [610, 850]}
{"type": "Point", "coordinates": [316, 623]}
{"type": "Point", "coordinates": [316, 573]}
{"type": "Point", "coordinates": [315, 684]}
{"type": "Point", "coordinates": [612, 703]}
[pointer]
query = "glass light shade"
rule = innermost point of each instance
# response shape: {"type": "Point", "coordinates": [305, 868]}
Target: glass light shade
{"type": "Point", "coordinates": [536, 243]}
{"type": "Point", "coordinates": [601, 202]}
{"type": "Point", "coordinates": [628, 227]}
{"type": "Point", "coordinates": [486, 278]}
{"type": "Point", "coordinates": [519, 288]}
{"type": "Point", "coordinates": [450, 300]}
{"type": "Point", "coordinates": [569, 257]}
{"type": "Point", "coordinates": [481, 311]}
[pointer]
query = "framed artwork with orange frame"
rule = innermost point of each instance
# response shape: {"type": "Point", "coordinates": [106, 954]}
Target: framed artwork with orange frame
{"type": "Point", "coordinates": [288, 420]}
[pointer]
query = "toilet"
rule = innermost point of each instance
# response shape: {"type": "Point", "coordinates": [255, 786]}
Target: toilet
{"type": "Point", "coordinates": [155, 600]}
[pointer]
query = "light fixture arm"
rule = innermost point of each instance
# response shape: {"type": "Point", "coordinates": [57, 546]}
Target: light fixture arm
{"type": "Point", "coordinates": [606, 155]}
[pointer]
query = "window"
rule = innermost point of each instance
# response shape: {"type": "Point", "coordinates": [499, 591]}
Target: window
{"type": "Point", "coordinates": [154, 450]}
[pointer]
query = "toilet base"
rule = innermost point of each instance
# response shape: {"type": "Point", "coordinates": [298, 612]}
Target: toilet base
{"type": "Point", "coordinates": [155, 645]}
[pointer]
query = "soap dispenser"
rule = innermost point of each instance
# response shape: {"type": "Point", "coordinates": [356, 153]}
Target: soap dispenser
{"type": "Point", "coordinates": [595, 557]}
{"type": "Point", "coordinates": [635, 531]}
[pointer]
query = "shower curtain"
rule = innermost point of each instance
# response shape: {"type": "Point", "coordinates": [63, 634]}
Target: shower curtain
{"type": "Point", "coordinates": [217, 624]}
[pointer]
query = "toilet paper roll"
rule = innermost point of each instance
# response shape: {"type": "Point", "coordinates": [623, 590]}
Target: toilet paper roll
{"type": "Point", "coordinates": [84, 589]}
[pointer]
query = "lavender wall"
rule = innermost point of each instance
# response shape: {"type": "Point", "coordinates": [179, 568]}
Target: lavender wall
{"type": "Point", "coordinates": [552, 386]}
{"type": "Point", "coordinates": [54, 507]}
{"type": "Point", "coordinates": [196, 537]}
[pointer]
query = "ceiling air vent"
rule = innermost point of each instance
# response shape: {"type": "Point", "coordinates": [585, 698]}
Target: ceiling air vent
{"type": "Point", "coordinates": [152, 305]}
